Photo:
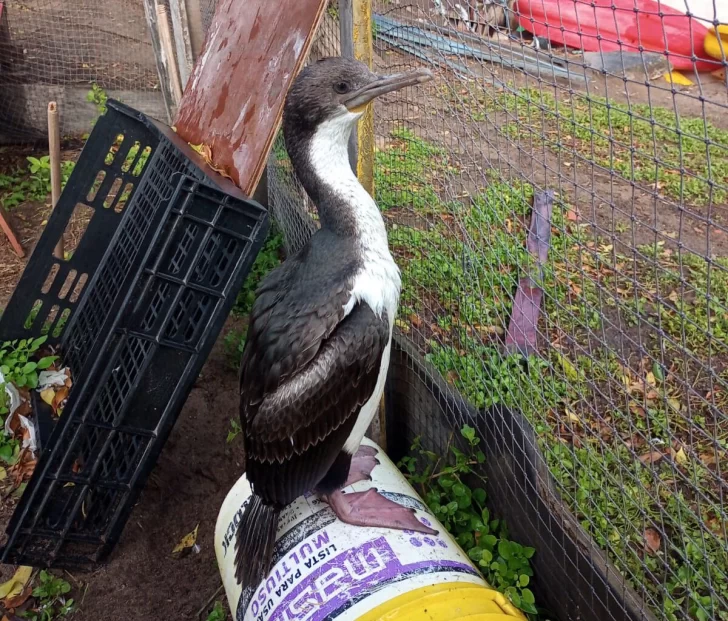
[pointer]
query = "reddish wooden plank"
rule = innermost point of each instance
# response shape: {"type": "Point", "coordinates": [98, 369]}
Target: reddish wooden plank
{"type": "Point", "coordinates": [234, 98]}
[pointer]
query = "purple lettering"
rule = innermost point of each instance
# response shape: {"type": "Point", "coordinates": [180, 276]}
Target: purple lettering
{"type": "Point", "coordinates": [322, 539]}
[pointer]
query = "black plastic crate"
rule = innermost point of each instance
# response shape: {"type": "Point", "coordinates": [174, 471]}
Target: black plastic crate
{"type": "Point", "coordinates": [134, 311]}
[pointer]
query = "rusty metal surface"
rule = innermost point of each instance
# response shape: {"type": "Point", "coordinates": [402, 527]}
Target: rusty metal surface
{"type": "Point", "coordinates": [234, 98]}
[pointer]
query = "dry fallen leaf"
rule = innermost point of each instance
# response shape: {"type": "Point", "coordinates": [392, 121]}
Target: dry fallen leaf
{"type": "Point", "coordinates": [16, 584]}
{"type": "Point", "coordinates": [653, 541]}
{"type": "Point", "coordinates": [19, 599]}
{"type": "Point", "coordinates": [681, 457]}
{"type": "Point", "coordinates": [48, 395]}
{"type": "Point", "coordinates": [59, 399]}
{"type": "Point", "coordinates": [572, 215]}
{"type": "Point", "coordinates": [652, 457]}
{"type": "Point", "coordinates": [187, 543]}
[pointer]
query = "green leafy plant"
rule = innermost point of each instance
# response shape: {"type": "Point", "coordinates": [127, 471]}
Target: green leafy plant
{"type": "Point", "coordinates": [40, 175]}
{"type": "Point", "coordinates": [268, 258]}
{"type": "Point", "coordinates": [8, 448]}
{"type": "Point", "coordinates": [235, 429]}
{"type": "Point", "coordinates": [13, 190]}
{"type": "Point", "coordinates": [52, 601]}
{"type": "Point", "coordinates": [98, 97]}
{"type": "Point", "coordinates": [31, 184]}
{"type": "Point", "coordinates": [18, 368]}
{"type": "Point", "coordinates": [218, 613]}
{"type": "Point", "coordinates": [446, 488]}
{"type": "Point", "coordinates": [234, 343]}
{"type": "Point", "coordinates": [16, 364]}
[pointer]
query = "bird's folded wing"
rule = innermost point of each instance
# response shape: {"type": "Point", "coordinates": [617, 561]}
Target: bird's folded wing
{"type": "Point", "coordinates": [326, 394]}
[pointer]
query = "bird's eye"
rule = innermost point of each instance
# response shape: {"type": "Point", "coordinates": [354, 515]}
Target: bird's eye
{"type": "Point", "coordinates": [341, 87]}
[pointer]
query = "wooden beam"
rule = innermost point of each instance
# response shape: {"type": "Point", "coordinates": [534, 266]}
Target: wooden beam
{"type": "Point", "coordinates": [150, 12]}
{"type": "Point", "coordinates": [182, 39]}
{"type": "Point", "coordinates": [197, 29]}
{"type": "Point", "coordinates": [362, 47]}
{"type": "Point", "coordinates": [234, 98]}
{"type": "Point", "coordinates": [166, 40]}
{"type": "Point", "coordinates": [346, 41]}
{"type": "Point", "coordinates": [10, 234]}
{"type": "Point", "coordinates": [364, 52]}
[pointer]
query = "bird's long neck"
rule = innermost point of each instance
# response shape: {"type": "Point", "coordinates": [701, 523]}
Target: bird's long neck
{"type": "Point", "coordinates": [321, 161]}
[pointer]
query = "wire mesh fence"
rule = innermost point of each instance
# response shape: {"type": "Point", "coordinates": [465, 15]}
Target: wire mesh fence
{"type": "Point", "coordinates": [57, 51]}
{"type": "Point", "coordinates": [627, 389]}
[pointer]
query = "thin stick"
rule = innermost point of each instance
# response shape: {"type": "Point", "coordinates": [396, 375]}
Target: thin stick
{"type": "Point", "coordinates": [54, 149]}
{"type": "Point", "coordinates": [209, 601]}
{"type": "Point", "coordinates": [165, 39]}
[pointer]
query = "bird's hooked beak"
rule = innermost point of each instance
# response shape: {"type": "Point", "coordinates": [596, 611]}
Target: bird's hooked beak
{"type": "Point", "coordinates": [358, 100]}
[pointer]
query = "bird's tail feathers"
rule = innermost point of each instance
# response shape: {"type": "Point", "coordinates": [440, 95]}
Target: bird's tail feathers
{"type": "Point", "coordinates": [256, 539]}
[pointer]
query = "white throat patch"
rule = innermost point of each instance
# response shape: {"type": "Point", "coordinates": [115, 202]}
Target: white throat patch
{"type": "Point", "coordinates": [378, 282]}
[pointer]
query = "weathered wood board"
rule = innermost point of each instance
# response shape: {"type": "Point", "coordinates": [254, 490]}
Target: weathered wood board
{"type": "Point", "coordinates": [234, 98]}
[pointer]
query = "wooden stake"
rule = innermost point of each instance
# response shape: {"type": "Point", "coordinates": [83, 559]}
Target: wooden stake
{"type": "Point", "coordinates": [182, 40]}
{"type": "Point", "coordinates": [166, 41]}
{"type": "Point", "coordinates": [54, 150]}
{"type": "Point", "coordinates": [356, 24]}
{"type": "Point", "coordinates": [197, 31]}
{"type": "Point", "coordinates": [364, 52]}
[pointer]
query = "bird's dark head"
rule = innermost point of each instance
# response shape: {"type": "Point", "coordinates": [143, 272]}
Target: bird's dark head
{"type": "Point", "coordinates": [338, 89]}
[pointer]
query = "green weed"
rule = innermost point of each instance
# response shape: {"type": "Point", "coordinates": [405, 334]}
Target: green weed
{"type": "Point", "coordinates": [19, 369]}
{"type": "Point", "coordinates": [461, 510]}
{"type": "Point", "coordinates": [235, 430]}
{"type": "Point", "coordinates": [98, 97]}
{"type": "Point", "coordinates": [218, 613]}
{"type": "Point", "coordinates": [16, 364]}
{"type": "Point", "coordinates": [33, 184]}
{"type": "Point", "coordinates": [234, 344]}
{"type": "Point", "coordinates": [52, 601]}
{"type": "Point", "coordinates": [268, 258]}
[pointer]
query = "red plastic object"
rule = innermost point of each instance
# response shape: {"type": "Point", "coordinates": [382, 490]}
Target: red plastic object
{"type": "Point", "coordinates": [618, 25]}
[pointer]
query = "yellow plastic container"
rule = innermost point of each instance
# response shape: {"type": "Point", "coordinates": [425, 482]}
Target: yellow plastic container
{"type": "Point", "coordinates": [324, 569]}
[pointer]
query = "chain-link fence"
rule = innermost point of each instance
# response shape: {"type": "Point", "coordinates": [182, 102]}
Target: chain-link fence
{"type": "Point", "coordinates": [626, 385]}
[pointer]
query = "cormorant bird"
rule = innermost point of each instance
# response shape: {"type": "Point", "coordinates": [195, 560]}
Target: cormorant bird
{"type": "Point", "coordinates": [319, 337]}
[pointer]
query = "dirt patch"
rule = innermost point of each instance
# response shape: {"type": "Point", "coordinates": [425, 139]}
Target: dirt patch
{"type": "Point", "coordinates": [80, 42]}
